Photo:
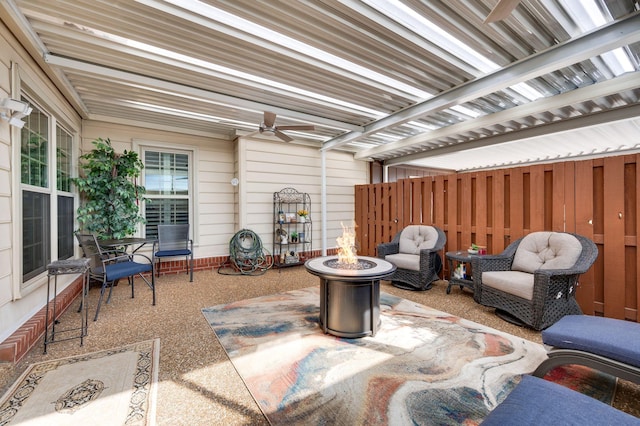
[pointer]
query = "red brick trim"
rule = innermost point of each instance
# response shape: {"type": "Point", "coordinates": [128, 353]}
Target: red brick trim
{"type": "Point", "coordinates": [31, 332]}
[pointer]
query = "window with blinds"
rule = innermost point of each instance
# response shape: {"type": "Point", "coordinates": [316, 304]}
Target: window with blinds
{"type": "Point", "coordinates": [167, 178]}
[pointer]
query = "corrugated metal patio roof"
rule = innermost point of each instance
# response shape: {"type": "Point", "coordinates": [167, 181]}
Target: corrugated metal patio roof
{"type": "Point", "coordinates": [425, 83]}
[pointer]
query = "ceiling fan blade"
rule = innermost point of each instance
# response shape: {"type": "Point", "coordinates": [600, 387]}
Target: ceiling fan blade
{"type": "Point", "coordinates": [501, 10]}
{"type": "Point", "coordinates": [300, 127]}
{"type": "Point", "coordinates": [282, 136]}
{"type": "Point", "coordinates": [269, 118]}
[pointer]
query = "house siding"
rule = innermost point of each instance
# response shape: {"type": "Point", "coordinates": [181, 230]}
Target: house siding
{"type": "Point", "coordinates": [273, 165]}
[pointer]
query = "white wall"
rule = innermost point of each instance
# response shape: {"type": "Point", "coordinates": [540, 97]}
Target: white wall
{"type": "Point", "coordinates": [270, 166]}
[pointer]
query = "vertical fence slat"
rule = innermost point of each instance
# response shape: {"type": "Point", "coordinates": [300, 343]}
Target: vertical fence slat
{"type": "Point", "coordinates": [362, 235]}
{"type": "Point", "coordinates": [516, 205]}
{"type": "Point", "coordinates": [570, 196]}
{"type": "Point", "coordinates": [635, 234]}
{"type": "Point", "coordinates": [375, 206]}
{"type": "Point", "coordinates": [416, 201]}
{"type": "Point", "coordinates": [480, 231]}
{"type": "Point", "coordinates": [396, 209]}
{"type": "Point", "coordinates": [370, 215]}
{"type": "Point", "coordinates": [583, 207]}
{"type": "Point", "coordinates": [428, 200]}
{"type": "Point", "coordinates": [630, 249]}
{"type": "Point", "coordinates": [452, 209]}
{"type": "Point", "coordinates": [614, 237]}
{"type": "Point", "coordinates": [537, 198]}
{"type": "Point", "coordinates": [406, 200]}
{"type": "Point", "coordinates": [466, 209]}
{"type": "Point", "coordinates": [497, 222]}
{"type": "Point", "coordinates": [438, 197]}
{"type": "Point", "coordinates": [559, 216]}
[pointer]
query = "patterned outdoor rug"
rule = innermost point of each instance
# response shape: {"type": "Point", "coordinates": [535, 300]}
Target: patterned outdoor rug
{"type": "Point", "coordinates": [112, 387]}
{"type": "Point", "coordinates": [422, 367]}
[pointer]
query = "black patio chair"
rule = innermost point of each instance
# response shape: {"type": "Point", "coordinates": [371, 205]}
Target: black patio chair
{"type": "Point", "coordinates": [109, 266]}
{"type": "Point", "coordinates": [173, 241]}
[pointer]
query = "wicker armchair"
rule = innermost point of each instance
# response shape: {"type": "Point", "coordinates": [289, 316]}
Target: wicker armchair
{"type": "Point", "coordinates": [414, 251]}
{"type": "Point", "coordinates": [533, 281]}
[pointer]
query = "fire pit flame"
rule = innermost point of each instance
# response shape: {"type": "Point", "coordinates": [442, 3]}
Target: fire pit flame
{"type": "Point", "coordinates": [347, 252]}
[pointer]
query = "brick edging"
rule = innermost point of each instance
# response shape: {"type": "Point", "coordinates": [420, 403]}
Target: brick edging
{"type": "Point", "coordinates": [31, 332]}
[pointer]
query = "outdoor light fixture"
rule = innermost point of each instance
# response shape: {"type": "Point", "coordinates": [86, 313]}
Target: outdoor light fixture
{"type": "Point", "coordinates": [16, 110]}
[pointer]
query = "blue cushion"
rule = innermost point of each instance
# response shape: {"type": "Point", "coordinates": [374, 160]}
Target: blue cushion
{"type": "Point", "coordinates": [537, 401]}
{"type": "Point", "coordinates": [115, 271]}
{"type": "Point", "coordinates": [181, 252]}
{"type": "Point", "coordinates": [607, 337]}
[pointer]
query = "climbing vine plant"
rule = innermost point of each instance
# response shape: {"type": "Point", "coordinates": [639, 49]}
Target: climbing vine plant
{"type": "Point", "coordinates": [111, 197]}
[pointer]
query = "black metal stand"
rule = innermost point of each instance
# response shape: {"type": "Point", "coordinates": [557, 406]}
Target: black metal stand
{"type": "Point", "coordinates": [61, 267]}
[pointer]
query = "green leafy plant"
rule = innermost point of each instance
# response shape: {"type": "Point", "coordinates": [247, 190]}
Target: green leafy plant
{"type": "Point", "coordinates": [110, 194]}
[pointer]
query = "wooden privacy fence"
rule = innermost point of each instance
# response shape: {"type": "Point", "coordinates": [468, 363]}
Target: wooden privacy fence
{"type": "Point", "coordinates": [597, 198]}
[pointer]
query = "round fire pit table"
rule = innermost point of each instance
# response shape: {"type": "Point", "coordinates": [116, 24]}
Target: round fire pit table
{"type": "Point", "coordinates": [349, 294]}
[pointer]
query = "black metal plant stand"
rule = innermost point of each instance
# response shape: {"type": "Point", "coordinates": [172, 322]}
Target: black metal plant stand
{"type": "Point", "coordinates": [61, 267]}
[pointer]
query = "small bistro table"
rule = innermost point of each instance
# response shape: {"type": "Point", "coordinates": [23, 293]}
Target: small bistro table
{"type": "Point", "coordinates": [455, 258]}
{"type": "Point", "coordinates": [136, 243]}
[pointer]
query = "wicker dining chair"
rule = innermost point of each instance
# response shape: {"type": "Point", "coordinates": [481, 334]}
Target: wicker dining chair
{"type": "Point", "coordinates": [415, 252]}
{"type": "Point", "coordinates": [533, 281]}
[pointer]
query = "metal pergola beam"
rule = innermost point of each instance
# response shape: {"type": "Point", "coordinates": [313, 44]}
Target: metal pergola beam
{"type": "Point", "coordinates": [617, 34]}
{"type": "Point", "coordinates": [606, 88]}
{"type": "Point", "coordinates": [532, 132]}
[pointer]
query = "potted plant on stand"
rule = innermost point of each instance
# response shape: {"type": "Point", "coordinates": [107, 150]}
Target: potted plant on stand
{"type": "Point", "coordinates": [302, 215]}
{"type": "Point", "coordinates": [110, 194]}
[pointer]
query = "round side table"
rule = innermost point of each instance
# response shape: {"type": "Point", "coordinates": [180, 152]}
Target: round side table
{"type": "Point", "coordinates": [455, 258]}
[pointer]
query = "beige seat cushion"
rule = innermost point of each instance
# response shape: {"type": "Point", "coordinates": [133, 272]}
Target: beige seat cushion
{"type": "Point", "coordinates": [404, 261]}
{"type": "Point", "coordinates": [517, 283]}
{"type": "Point", "coordinates": [417, 237]}
{"type": "Point", "coordinates": [546, 250]}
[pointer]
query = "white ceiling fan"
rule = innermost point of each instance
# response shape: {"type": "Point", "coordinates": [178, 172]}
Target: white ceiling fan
{"type": "Point", "coordinates": [268, 125]}
{"type": "Point", "coordinates": [501, 10]}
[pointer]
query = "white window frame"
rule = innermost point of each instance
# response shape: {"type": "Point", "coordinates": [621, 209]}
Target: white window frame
{"type": "Point", "coordinates": [142, 146]}
{"type": "Point", "coordinates": [22, 288]}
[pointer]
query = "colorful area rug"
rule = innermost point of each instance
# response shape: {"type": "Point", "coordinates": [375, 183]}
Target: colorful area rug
{"type": "Point", "coordinates": [112, 387]}
{"type": "Point", "coordinates": [423, 366]}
